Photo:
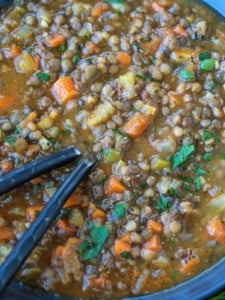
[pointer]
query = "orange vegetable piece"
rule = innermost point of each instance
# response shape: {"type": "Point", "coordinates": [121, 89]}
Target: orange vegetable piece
{"type": "Point", "coordinates": [217, 229]}
{"type": "Point", "coordinates": [57, 252]}
{"type": "Point", "coordinates": [98, 214]}
{"type": "Point", "coordinates": [121, 246]}
{"type": "Point", "coordinates": [136, 125]}
{"type": "Point", "coordinates": [189, 266]}
{"type": "Point", "coordinates": [153, 243]}
{"type": "Point", "coordinates": [158, 8]}
{"type": "Point", "coordinates": [55, 40]}
{"type": "Point", "coordinates": [32, 212]}
{"type": "Point", "coordinates": [93, 49]}
{"type": "Point", "coordinates": [155, 226]}
{"type": "Point", "coordinates": [64, 89]}
{"type": "Point", "coordinates": [126, 238]}
{"type": "Point", "coordinates": [73, 200]}
{"type": "Point", "coordinates": [150, 46]}
{"type": "Point", "coordinates": [100, 283]}
{"type": "Point", "coordinates": [180, 30]}
{"type": "Point", "coordinates": [113, 185]}
{"type": "Point", "coordinates": [15, 50]}
{"type": "Point", "coordinates": [98, 10]}
{"type": "Point", "coordinates": [6, 102]}
{"type": "Point", "coordinates": [6, 234]}
{"type": "Point", "coordinates": [63, 227]}
{"type": "Point", "coordinates": [124, 58]}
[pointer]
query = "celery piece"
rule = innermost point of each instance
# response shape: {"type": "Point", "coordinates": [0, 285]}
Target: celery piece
{"type": "Point", "coordinates": [111, 155]}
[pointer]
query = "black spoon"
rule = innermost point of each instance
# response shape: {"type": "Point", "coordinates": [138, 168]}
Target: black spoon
{"type": "Point", "coordinates": [4, 3]}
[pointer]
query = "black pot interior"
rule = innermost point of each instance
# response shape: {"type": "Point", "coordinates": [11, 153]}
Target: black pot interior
{"type": "Point", "coordinates": [201, 286]}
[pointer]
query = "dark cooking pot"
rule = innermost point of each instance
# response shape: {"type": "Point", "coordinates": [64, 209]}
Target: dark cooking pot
{"type": "Point", "coordinates": [201, 286]}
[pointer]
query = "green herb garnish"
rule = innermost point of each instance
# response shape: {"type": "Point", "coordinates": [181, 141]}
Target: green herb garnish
{"type": "Point", "coordinates": [207, 156]}
{"type": "Point", "coordinates": [62, 48]}
{"type": "Point", "coordinates": [182, 155]}
{"type": "Point", "coordinates": [126, 254]}
{"type": "Point", "coordinates": [187, 75]}
{"type": "Point", "coordinates": [198, 184]}
{"type": "Point", "coordinates": [207, 135]}
{"type": "Point", "coordinates": [89, 250]}
{"type": "Point", "coordinates": [75, 59]}
{"type": "Point", "coordinates": [119, 210]}
{"type": "Point", "coordinates": [207, 64]}
{"type": "Point", "coordinates": [43, 76]}
{"type": "Point", "coordinates": [163, 203]}
{"type": "Point", "coordinates": [199, 171]}
{"type": "Point", "coordinates": [203, 55]}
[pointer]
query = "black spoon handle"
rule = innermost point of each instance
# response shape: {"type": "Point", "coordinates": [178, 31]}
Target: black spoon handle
{"type": "Point", "coordinates": [27, 172]}
{"type": "Point", "coordinates": [33, 234]}
{"type": "Point", "coordinates": [4, 3]}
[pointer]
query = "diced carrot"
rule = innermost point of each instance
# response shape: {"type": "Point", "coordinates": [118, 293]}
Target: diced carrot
{"type": "Point", "coordinates": [73, 200]}
{"type": "Point", "coordinates": [136, 125]}
{"type": "Point", "coordinates": [180, 30]}
{"type": "Point", "coordinates": [57, 252]}
{"type": "Point", "coordinates": [6, 102]}
{"type": "Point", "coordinates": [98, 214]}
{"type": "Point", "coordinates": [93, 49]}
{"type": "Point", "coordinates": [158, 8]}
{"type": "Point", "coordinates": [37, 180]}
{"type": "Point", "coordinates": [98, 10]}
{"type": "Point", "coordinates": [175, 98]}
{"type": "Point", "coordinates": [153, 243]}
{"type": "Point", "coordinates": [56, 40]}
{"type": "Point", "coordinates": [113, 185]}
{"type": "Point", "coordinates": [6, 165]}
{"type": "Point", "coordinates": [126, 238]}
{"type": "Point", "coordinates": [189, 266]}
{"type": "Point", "coordinates": [150, 46]}
{"type": "Point", "coordinates": [32, 212]}
{"type": "Point", "coordinates": [155, 226]}
{"type": "Point", "coordinates": [121, 246]}
{"type": "Point", "coordinates": [63, 227]}
{"type": "Point", "coordinates": [64, 89]}
{"type": "Point", "coordinates": [100, 283]}
{"type": "Point", "coordinates": [124, 58]}
{"type": "Point", "coordinates": [15, 50]}
{"type": "Point", "coordinates": [6, 234]}
{"type": "Point", "coordinates": [216, 229]}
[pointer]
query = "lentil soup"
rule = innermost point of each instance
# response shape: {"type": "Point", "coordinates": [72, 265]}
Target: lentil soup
{"type": "Point", "coordinates": [142, 84]}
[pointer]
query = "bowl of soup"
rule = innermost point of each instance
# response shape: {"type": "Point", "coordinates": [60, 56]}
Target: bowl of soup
{"type": "Point", "coordinates": [142, 85]}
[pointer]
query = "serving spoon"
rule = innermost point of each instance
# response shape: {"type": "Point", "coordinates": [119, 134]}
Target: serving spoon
{"type": "Point", "coordinates": [31, 237]}
{"type": "Point", "coordinates": [4, 3]}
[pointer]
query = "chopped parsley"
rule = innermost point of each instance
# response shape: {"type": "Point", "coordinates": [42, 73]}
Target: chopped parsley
{"type": "Point", "coordinates": [91, 249]}
{"type": "Point", "coordinates": [75, 59]}
{"type": "Point", "coordinates": [207, 135]}
{"type": "Point", "coordinates": [136, 45]}
{"type": "Point", "coordinates": [43, 76]}
{"type": "Point", "coordinates": [172, 193]}
{"type": "Point", "coordinates": [126, 254]}
{"type": "Point", "coordinates": [187, 75]}
{"type": "Point", "coordinates": [203, 55]}
{"type": "Point", "coordinates": [119, 210]}
{"type": "Point", "coordinates": [198, 184]}
{"type": "Point", "coordinates": [207, 156]}
{"type": "Point", "coordinates": [62, 48]}
{"type": "Point", "coordinates": [163, 203]}
{"type": "Point", "coordinates": [182, 155]}
{"type": "Point", "coordinates": [212, 85]}
{"type": "Point", "coordinates": [199, 171]}
{"type": "Point", "coordinates": [207, 64]}
{"type": "Point", "coordinates": [152, 60]}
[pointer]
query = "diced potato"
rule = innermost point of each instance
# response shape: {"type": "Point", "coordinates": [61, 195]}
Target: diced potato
{"type": "Point", "coordinates": [181, 55]}
{"type": "Point", "coordinates": [158, 164]}
{"type": "Point", "coordinates": [45, 123]}
{"type": "Point", "coordinates": [101, 114]}
{"type": "Point", "coordinates": [25, 63]}
{"type": "Point", "coordinates": [76, 218]}
{"type": "Point", "coordinates": [127, 80]}
{"type": "Point", "coordinates": [218, 202]}
{"type": "Point", "coordinates": [148, 110]}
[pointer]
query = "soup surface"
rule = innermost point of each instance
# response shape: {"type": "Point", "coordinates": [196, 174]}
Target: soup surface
{"type": "Point", "coordinates": [142, 84]}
